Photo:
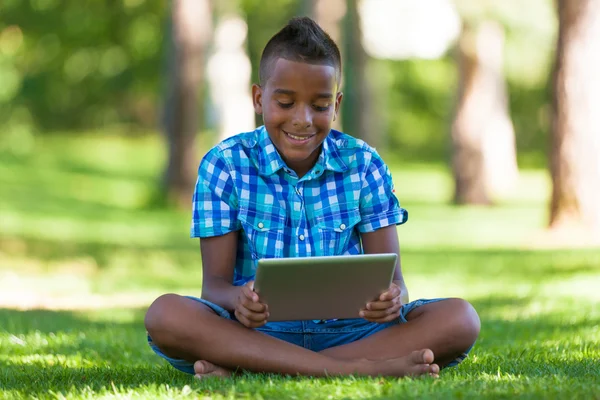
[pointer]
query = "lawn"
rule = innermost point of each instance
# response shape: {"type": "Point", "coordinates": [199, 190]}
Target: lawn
{"type": "Point", "coordinates": [82, 253]}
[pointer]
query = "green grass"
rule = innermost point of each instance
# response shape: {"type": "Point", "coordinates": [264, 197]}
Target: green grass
{"type": "Point", "coordinates": [81, 255]}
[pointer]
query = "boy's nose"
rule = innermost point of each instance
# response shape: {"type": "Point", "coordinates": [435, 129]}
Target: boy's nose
{"type": "Point", "coordinates": [302, 118]}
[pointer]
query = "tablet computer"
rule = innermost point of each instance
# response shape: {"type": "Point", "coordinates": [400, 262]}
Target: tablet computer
{"type": "Point", "coordinates": [322, 287]}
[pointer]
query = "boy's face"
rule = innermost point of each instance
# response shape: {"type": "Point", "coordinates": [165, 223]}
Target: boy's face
{"type": "Point", "coordinates": [298, 103]}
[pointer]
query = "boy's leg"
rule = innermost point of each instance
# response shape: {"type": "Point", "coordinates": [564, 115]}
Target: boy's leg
{"type": "Point", "coordinates": [448, 327]}
{"type": "Point", "coordinates": [186, 329]}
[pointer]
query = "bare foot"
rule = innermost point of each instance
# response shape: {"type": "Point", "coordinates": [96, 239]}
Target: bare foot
{"type": "Point", "coordinates": [204, 369]}
{"type": "Point", "coordinates": [417, 363]}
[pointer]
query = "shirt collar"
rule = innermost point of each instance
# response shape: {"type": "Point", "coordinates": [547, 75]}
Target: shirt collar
{"type": "Point", "coordinates": [330, 156]}
{"type": "Point", "coordinates": [270, 161]}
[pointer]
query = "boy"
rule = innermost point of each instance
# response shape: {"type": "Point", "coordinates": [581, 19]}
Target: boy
{"type": "Point", "coordinates": [294, 187]}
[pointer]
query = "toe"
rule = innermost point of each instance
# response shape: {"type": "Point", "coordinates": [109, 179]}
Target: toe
{"type": "Point", "coordinates": [202, 367]}
{"type": "Point", "coordinates": [424, 356]}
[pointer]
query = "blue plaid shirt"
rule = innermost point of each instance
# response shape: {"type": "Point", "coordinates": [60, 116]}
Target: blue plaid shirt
{"type": "Point", "coordinates": [244, 184]}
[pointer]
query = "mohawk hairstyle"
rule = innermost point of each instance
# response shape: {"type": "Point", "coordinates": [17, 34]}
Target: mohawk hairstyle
{"type": "Point", "coordinates": [301, 40]}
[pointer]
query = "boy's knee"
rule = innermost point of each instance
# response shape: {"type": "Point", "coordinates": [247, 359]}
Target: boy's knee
{"type": "Point", "coordinates": [157, 316]}
{"type": "Point", "coordinates": [467, 320]}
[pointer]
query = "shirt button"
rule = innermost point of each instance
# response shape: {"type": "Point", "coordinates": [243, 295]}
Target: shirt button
{"type": "Point", "coordinates": [261, 225]}
{"type": "Point", "coordinates": [343, 226]}
{"type": "Point", "coordinates": [301, 237]}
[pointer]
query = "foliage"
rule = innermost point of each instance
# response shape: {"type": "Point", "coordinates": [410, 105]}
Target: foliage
{"type": "Point", "coordinates": [74, 233]}
{"type": "Point", "coordinates": [68, 65]}
{"type": "Point", "coordinates": [74, 64]}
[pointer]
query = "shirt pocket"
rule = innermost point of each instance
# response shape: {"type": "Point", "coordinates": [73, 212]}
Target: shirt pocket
{"type": "Point", "coordinates": [335, 230]}
{"type": "Point", "coordinates": [264, 231]}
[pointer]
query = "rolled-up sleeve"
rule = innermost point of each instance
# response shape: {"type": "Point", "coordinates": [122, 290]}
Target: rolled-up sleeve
{"type": "Point", "coordinates": [215, 205]}
{"type": "Point", "coordinates": [379, 206]}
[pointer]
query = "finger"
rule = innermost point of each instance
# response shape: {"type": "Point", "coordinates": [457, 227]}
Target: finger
{"type": "Point", "coordinates": [258, 324]}
{"type": "Point", "coordinates": [242, 319]}
{"type": "Point", "coordinates": [379, 305]}
{"type": "Point", "coordinates": [392, 312]}
{"type": "Point", "coordinates": [249, 309]}
{"type": "Point", "coordinates": [388, 318]}
{"type": "Point", "coordinates": [392, 292]}
{"type": "Point", "coordinates": [247, 322]}
{"type": "Point", "coordinates": [366, 314]}
{"type": "Point", "coordinates": [248, 291]}
{"type": "Point", "coordinates": [254, 316]}
{"type": "Point", "coordinates": [250, 305]}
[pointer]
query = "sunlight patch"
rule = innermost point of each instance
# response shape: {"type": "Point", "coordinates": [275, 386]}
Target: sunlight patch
{"type": "Point", "coordinates": [48, 360]}
{"type": "Point", "coordinates": [577, 287]}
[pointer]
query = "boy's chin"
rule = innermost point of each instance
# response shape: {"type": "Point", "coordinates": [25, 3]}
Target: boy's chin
{"type": "Point", "coordinates": [300, 159]}
{"type": "Point", "coordinates": [296, 158]}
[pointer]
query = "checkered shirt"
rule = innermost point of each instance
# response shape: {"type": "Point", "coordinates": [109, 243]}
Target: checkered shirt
{"type": "Point", "coordinates": [244, 184]}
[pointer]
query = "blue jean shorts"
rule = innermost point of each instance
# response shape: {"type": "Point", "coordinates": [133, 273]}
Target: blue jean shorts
{"type": "Point", "coordinates": [312, 335]}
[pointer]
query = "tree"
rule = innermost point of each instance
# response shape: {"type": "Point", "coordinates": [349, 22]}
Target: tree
{"type": "Point", "coordinates": [329, 15]}
{"type": "Point", "coordinates": [341, 20]}
{"type": "Point", "coordinates": [357, 116]}
{"type": "Point", "coordinates": [190, 33]}
{"type": "Point", "coordinates": [575, 145]}
{"type": "Point", "coordinates": [483, 142]}
{"type": "Point", "coordinates": [229, 72]}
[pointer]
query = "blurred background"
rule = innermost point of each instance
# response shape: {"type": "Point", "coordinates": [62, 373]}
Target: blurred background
{"type": "Point", "coordinates": [484, 110]}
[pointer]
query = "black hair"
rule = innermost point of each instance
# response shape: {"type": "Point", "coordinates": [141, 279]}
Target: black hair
{"type": "Point", "coordinates": [301, 40]}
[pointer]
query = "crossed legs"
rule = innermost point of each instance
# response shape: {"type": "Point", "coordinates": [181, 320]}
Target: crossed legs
{"type": "Point", "coordinates": [186, 329]}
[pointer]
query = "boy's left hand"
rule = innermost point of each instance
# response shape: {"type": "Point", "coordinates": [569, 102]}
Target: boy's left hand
{"type": "Point", "coordinates": [385, 308]}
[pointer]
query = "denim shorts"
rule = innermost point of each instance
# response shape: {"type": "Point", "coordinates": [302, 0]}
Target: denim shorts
{"type": "Point", "coordinates": [312, 335]}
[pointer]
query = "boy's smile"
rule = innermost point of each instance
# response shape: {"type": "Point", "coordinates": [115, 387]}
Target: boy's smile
{"type": "Point", "coordinates": [298, 103]}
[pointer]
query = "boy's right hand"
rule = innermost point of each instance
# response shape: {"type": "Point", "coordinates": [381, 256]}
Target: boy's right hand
{"type": "Point", "coordinates": [248, 308]}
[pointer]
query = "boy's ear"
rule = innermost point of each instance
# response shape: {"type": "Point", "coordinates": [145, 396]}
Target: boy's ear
{"type": "Point", "coordinates": [338, 102]}
{"type": "Point", "coordinates": [257, 99]}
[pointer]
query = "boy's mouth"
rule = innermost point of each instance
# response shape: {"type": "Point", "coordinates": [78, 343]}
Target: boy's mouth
{"type": "Point", "coordinates": [298, 138]}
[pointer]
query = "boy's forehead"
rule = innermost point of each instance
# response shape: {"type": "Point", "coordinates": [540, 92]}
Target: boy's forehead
{"type": "Point", "coordinates": [288, 72]}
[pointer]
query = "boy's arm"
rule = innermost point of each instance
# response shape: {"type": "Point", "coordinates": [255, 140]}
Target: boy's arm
{"type": "Point", "coordinates": [218, 263]}
{"type": "Point", "coordinates": [385, 240]}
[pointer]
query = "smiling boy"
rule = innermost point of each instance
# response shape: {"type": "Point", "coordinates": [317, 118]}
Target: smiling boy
{"type": "Point", "coordinates": [295, 187]}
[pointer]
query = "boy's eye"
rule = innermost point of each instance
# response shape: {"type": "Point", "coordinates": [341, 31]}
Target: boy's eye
{"type": "Point", "coordinates": [285, 105]}
{"type": "Point", "coordinates": [322, 108]}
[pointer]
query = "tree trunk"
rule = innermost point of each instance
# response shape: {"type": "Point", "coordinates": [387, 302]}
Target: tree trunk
{"type": "Point", "coordinates": [183, 112]}
{"type": "Point", "coordinates": [229, 74]}
{"type": "Point", "coordinates": [483, 143]}
{"type": "Point", "coordinates": [229, 71]}
{"type": "Point", "coordinates": [329, 14]}
{"type": "Point", "coordinates": [357, 117]}
{"type": "Point", "coordinates": [575, 151]}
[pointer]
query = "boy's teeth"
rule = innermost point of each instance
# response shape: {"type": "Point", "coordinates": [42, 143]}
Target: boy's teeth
{"type": "Point", "coordinates": [297, 137]}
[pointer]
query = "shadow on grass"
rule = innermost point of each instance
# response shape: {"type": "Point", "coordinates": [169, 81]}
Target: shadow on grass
{"type": "Point", "coordinates": [559, 324]}
{"type": "Point", "coordinates": [58, 202]}
{"type": "Point", "coordinates": [38, 379]}
{"type": "Point", "coordinates": [29, 166]}
{"type": "Point", "coordinates": [508, 263]}
{"type": "Point", "coordinates": [19, 322]}
{"type": "Point", "coordinates": [180, 249]}
{"type": "Point", "coordinates": [511, 264]}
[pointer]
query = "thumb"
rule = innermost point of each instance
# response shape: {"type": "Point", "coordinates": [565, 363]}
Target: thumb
{"type": "Point", "coordinates": [250, 285]}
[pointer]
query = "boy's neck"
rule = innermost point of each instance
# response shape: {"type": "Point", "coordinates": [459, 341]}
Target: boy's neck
{"type": "Point", "coordinates": [302, 167]}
